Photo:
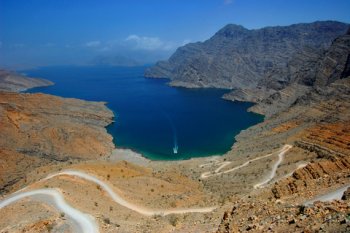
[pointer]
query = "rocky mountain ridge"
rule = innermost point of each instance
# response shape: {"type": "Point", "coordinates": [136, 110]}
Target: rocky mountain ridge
{"type": "Point", "coordinates": [317, 78]}
{"type": "Point", "coordinates": [236, 57]}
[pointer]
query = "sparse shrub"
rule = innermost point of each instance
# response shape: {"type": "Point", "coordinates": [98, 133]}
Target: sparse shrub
{"type": "Point", "coordinates": [301, 209]}
{"type": "Point", "coordinates": [173, 220]}
{"type": "Point", "coordinates": [49, 227]}
{"type": "Point", "coordinates": [173, 204]}
{"type": "Point", "coordinates": [157, 216]}
{"type": "Point", "coordinates": [106, 220]}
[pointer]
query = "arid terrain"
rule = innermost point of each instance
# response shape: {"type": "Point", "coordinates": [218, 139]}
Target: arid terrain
{"type": "Point", "coordinates": [290, 173]}
{"type": "Point", "coordinates": [12, 81]}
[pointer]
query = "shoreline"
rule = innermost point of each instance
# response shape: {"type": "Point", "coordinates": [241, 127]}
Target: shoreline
{"type": "Point", "coordinates": [114, 119]}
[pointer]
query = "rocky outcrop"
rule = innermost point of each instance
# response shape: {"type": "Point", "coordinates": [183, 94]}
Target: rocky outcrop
{"type": "Point", "coordinates": [335, 63]}
{"type": "Point", "coordinates": [37, 129]}
{"type": "Point", "coordinates": [15, 165]}
{"type": "Point", "coordinates": [330, 143]}
{"type": "Point", "coordinates": [258, 216]}
{"type": "Point", "coordinates": [327, 140]}
{"type": "Point", "coordinates": [346, 195]}
{"type": "Point", "coordinates": [11, 81]}
{"type": "Point", "coordinates": [315, 175]}
{"type": "Point", "coordinates": [308, 79]}
{"type": "Point", "coordinates": [236, 57]}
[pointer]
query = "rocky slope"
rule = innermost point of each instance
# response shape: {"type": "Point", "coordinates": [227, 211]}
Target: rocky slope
{"type": "Point", "coordinates": [38, 129]}
{"type": "Point", "coordinates": [264, 216]}
{"type": "Point", "coordinates": [11, 81]}
{"type": "Point", "coordinates": [317, 77]}
{"type": "Point", "coordinates": [317, 122]}
{"type": "Point", "coordinates": [236, 57]}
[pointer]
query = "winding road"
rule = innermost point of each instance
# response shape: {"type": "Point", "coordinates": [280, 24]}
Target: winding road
{"type": "Point", "coordinates": [86, 224]}
{"type": "Point", "coordinates": [82, 222]}
{"type": "Point", "coordinates": [222, 165]}
{"type": "Point", "coordinates": [274, 167]}
{"type": "Point", "coordinates": [118, 199]}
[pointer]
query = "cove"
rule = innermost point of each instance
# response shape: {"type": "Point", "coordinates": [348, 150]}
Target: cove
{"type": "Point", "coordinates": [152, 118]}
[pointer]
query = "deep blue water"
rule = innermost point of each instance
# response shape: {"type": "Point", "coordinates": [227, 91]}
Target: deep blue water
{"type": "Point", "coordinates": [151, 117]}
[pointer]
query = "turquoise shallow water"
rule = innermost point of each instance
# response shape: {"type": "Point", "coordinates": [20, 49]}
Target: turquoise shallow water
{"type": "Point", "coordinates": [151, 117]}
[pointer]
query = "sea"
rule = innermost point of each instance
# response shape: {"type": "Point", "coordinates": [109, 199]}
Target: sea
{"type": "Point", "coordinates": [152, 118]}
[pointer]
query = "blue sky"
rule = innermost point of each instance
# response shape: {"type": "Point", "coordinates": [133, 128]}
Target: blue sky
{"type": "Point", "coordinates": [48, 32]}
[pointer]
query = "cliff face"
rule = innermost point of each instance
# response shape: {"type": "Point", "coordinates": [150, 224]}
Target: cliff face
{"type": "Point", "coordinates": [335, 64]}
{"type": "Point", "coordinates": [38, 129]}
{"type": "Point", "coordinates": [236, 57]}
{"type": "Point", "coordinates": [312, 78]}
{"type": "Point", "coordinates": [10, 81]}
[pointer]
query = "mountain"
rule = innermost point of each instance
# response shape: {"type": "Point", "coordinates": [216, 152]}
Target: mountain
{"type": "Point", "coordinates": [304, 77]}
{"type": "Point", "coordinates": [236, 57]}
{"type": "Point", "coordinates": [11, 81]}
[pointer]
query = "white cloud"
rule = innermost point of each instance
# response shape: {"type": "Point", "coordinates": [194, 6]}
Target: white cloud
{"type": "Point", "coordinates": [149, 43]}
{"type": "Point", "coordinates": [93, 44]}
{"type": "Point", "coordinates": [228, 2]}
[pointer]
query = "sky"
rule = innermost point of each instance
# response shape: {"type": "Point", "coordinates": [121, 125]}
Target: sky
{"type": "Point", "coordinates": [79, 32]}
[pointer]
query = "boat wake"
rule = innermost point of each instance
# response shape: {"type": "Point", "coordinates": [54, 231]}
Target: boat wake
{"type": "Point", "coordinates": [173, 128]}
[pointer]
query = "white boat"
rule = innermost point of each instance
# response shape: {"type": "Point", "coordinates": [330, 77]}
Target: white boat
{"type": "Point", "coordinates": [175, 149]}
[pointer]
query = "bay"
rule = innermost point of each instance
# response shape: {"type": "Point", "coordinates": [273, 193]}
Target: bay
{"type": "Point", "coordinates": [152, 118]}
